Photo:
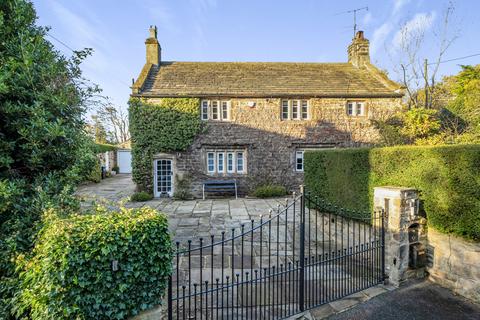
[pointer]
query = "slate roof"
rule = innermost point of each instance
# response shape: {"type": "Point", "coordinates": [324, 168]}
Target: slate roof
{"type": "Point", "coordinates": [264, 79]}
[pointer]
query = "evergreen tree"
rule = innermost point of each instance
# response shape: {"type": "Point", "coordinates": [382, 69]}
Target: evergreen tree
{"type": "Point", "coordinates": [43, 148]}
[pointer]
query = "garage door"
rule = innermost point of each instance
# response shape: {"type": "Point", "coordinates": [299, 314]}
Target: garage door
{"type": "Point", "coordinates": [124, 158]}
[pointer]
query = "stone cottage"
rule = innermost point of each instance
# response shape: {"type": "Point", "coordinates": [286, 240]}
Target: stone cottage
{"type": "Point", "coordinates": [262, 116]}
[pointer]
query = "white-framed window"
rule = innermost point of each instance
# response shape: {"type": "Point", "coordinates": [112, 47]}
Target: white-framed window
{"type": "Point", "coordinates": [220, 162]}
{"type": "Point", "coordinates": [304, 109]}
{"type": "Point", "coordinates": [356, 108]}
{"type": "Point", "coordinates": [218, 110]}
{"type": "Point", "coordinates": [226, 162]}
{"type": "Point", "coordinates": [299, 160]}
{"type": "Point", "coordinates": [285, 110]}
{"type": "Point", "coordinates": [204, 110]}
{"type": "Point", "coordinates": [211, 162]}
{"type": "Point", "coordinates": [295, 110]}
{"type": "Point", "coordinates": [240, 162]}
{"type": "Point", "coordinates": [230, 162]}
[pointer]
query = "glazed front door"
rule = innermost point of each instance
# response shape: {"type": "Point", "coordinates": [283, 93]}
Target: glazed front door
{"type": "Point", "coordinates": [163, 178]}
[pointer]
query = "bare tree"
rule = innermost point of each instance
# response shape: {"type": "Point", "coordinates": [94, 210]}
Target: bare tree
{"type": "Point", "coordinates": [116, 120]}
{"type": "Point", "coordinates": [416, 73]}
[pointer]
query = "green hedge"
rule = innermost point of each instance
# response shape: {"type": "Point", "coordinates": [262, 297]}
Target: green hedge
{"type": "Point", "coordinates": [70, 275]}
{"type": "Point", "coordinates": [448, 178]}
{"type": "Point", "coordinates": [141, 196]}
{"type": "Point", "coordinates": [103, 147]}
{"type": "Point", "coordinates": [170, 125]}
{"type": "Point", "coordinates": [269, 191]}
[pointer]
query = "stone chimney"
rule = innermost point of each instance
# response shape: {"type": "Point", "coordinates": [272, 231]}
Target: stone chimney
{"type": "Point", "coordinates": [153, 47]}
{"type": "Point", "coordinates": [359, 50]}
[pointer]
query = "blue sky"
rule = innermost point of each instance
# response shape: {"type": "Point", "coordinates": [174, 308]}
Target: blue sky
{"type": "Point", "coordinates": [248, 30]}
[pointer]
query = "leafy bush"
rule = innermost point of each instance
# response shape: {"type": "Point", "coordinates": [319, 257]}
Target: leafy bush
{"type": "Point", "coordinates": [420, 123]}
{"type": "Point", "coordinates": [95, 174]}
{"type": "Point", "coordinates": [448, 178]}
{"type": "Point", "coordinates": [104, 147]}
{"type": "Point", "coordinates": [268, 191]}
{"type": "Point", "coordinates": [141, 196]}
{"type": "Point", "coordinates": [71, 274]}
{"type": "Point", "coordinates": [116, 169]}
{"type": "Point", "coordinates": [170, 125]}
{"type": "Point", "coordinates": [42, 103]}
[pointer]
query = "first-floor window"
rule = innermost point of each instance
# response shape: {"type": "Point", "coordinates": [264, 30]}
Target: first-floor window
{"type": "Point", "coordinates": [285, 108]}
{"type": "Point", "coordinates": [295, 110]}
{"type": "Point", "coordinates": [299, 160]}
{"type": "Point", "coordinates": [226, 161]}
{"type": "Point", "coordinates": [355, 108]}
{"type": "Point", "coordinates": [204, 110]}
{"type": "Point", "coordinates": [215, 110]}
{"type": "Point", "coordinates": [211, 162]}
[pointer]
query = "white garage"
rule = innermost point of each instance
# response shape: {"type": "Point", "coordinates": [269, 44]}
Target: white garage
{"type": "Point", "coordinates": [124, 161]}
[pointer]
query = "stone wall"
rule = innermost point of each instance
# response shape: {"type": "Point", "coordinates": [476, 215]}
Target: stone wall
{"type": "Point", "coordinates": [270, 142]}
{"type": "Point", "coordinates": [108, 159]}
{"type": "Point", "coordinates": [454, 263]}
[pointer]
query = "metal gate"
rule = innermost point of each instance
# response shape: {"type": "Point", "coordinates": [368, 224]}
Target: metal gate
{"type": "Point", "coordinates": [303, 254]}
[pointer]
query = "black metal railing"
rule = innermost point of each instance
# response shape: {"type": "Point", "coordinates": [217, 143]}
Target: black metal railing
{"type": "Point", "coordinates": [296, 258]}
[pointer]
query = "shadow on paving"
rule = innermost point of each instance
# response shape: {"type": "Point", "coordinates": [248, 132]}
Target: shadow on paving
{"type": "Point", "coordinates": [418, 300]}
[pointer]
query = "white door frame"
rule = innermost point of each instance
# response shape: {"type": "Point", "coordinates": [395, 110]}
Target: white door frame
{"type": "Point", "coordinates": [156, 192]}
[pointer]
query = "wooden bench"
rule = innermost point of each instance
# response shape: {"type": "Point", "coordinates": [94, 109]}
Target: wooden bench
{"type": "Point", "coordinates": [220, 186]}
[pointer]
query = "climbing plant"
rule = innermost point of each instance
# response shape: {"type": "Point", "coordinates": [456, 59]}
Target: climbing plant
{"type": "Point", "coordinates": [169, 125]}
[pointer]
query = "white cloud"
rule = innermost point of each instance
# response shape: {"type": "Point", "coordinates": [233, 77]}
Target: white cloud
{"type": "Point", "coordinates": [379, 36]}
{"type": "Point", "coordinates": [416, 26]}
{"type": "Point", "coordinates": [398, 5]}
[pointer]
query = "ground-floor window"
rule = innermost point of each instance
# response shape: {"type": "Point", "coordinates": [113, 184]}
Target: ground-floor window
{"type": "Point", "coordinates": [226, 161]}
{"type": "Point", "coordinates": [299, 160]}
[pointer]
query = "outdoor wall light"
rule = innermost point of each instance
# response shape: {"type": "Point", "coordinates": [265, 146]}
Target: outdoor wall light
{"type": "Point", "coordinates": [251, 104]}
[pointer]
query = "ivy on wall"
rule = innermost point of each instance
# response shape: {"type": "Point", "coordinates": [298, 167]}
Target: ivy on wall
{"type": "Point", "coordinates": [168, 126]}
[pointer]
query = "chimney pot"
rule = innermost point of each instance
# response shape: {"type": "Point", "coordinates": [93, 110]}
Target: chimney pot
{"type": "Point", "coordinates": [153, 47]}
{"type": "Point", "coordinates": [359, 50]}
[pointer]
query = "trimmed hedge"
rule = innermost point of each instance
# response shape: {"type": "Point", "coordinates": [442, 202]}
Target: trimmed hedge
{"type": "Point", "coordinates": [170, 125]}
{"type": "Point", "coordinates": [448, 178]}
{"type": "Point", "coordinates": [268, 191]}
{"type": "Point", "coordinates": [140, 196]}
{"type": "Point", "coordinates": [71, 276]}
{"type": "Point", "coordinates": [104, 147]}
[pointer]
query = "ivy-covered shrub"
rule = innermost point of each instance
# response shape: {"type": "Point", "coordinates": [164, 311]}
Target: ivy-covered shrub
{"type": "Point", "coordinates": [104, 147]}
{"type": "Point", "coordinates": [448, 178]}
{"type": "Point", "coordinates": [43, 100]}
{"type": "Point", "coordinates": [140, 196]}
{"type": "Point", "coordinates": [95, 174]}
{"type": "Point", "coordinates": [268, 191]}
{"type": "Point", "coordinates": [170, 125]}
{"type": "Point", "coordinates": [72, 273]}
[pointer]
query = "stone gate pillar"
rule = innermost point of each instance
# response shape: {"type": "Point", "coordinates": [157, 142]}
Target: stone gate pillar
{"type": "Point", "coordinates": [405, 237]}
